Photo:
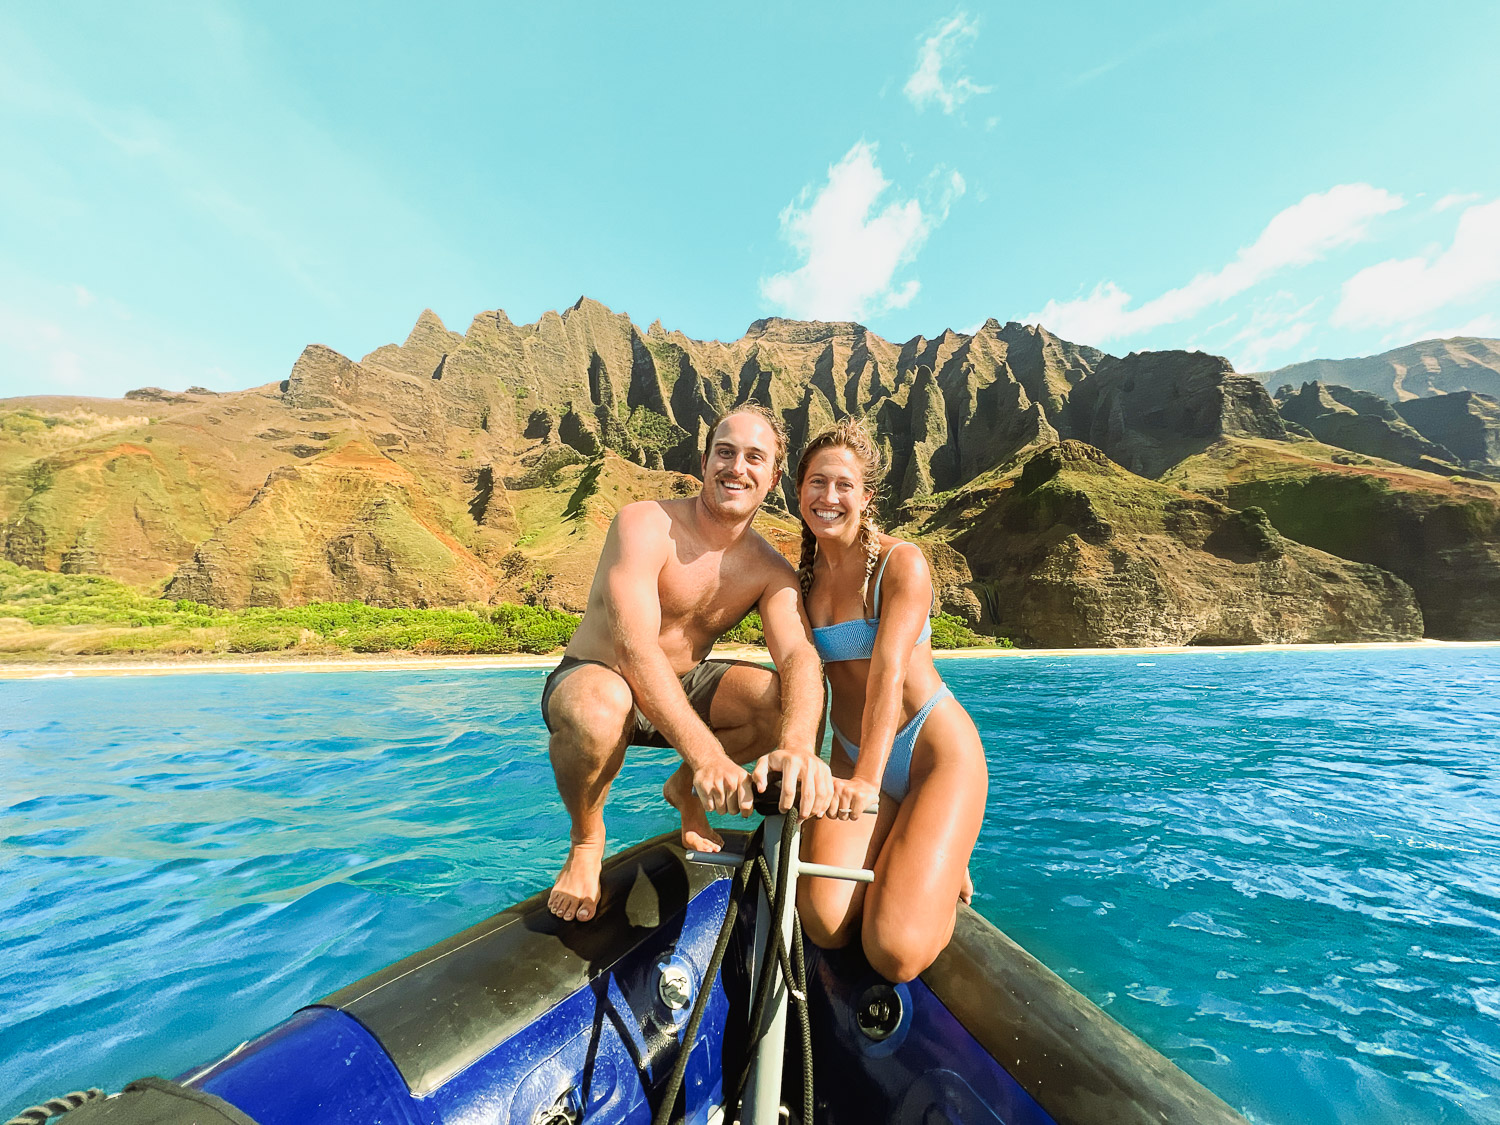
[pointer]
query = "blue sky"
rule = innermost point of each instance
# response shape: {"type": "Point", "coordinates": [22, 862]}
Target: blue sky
{"type": "Point", "coordinates": [193, 192]}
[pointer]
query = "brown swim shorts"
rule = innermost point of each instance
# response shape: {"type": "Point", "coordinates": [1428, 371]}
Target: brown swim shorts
{"type": "Point", "coordinates": [699, 682]}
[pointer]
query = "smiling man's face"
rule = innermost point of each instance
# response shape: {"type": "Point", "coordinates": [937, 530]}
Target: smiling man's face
{"type": "Point", "coordinates": [739, 469]}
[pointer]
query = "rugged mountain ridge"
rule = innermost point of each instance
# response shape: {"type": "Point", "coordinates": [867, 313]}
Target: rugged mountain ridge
{"type": "Point", "coordinates": [1427, 367]}
{"type": "Point", "coordinates": [1361, 422]}
{"type": "Point", "coordinates": [1466, 422]}
{"type": "Point", "coordinates": [486, 465]}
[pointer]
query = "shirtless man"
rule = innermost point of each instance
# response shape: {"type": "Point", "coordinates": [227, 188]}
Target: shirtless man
{"type": "Point", "coordinates": [674, 576]}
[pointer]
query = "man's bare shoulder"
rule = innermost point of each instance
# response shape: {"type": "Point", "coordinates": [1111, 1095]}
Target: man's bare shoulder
{"type": "Point", "coordinates": [645, 517]}
{"type": "Point", "coordinates": [763, 555]}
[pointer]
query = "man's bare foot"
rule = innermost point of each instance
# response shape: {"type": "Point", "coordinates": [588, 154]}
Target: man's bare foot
{"type": "Point", "coordinates": [697, 835]}
{"type": "Point", "coordinates": [966, 892]}
{"type": "Point", "coordinates": [575, 895]}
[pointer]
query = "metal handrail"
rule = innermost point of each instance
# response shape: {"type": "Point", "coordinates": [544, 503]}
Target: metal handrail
{"type": "Point", "coordinates": [762, 1104]}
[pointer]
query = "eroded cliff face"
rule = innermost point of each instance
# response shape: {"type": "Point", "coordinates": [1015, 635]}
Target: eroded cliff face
{"type": "Point", "coordinates": [1466, 422]}
{"type": "Point", "coordinates": [946, 409]}
{"type": "Point", "coordinates": [1361, 422]}
{"type": "Point", "coordinates": [487, 465]}
{"type": "Point", "coordinates": [1440, 535]}
{"type": "Point", "coordinates": [1151, 409]}
{"type": "Point", "coordinates": [348, 525]}
{"type": "Point", "coordinates": [1070, 549]}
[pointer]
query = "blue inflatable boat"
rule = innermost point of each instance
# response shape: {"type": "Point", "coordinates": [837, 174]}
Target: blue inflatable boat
{"type": "Point", "coordinates": [528, 1020]}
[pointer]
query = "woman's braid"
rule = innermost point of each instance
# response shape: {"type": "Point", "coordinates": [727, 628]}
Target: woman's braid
{"type": "Point", "coordinates": [805, 564]}
{"type": "Point", "coordinates": [869, 535]}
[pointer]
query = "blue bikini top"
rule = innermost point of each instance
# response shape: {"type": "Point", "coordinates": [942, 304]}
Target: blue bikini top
{"type": "Point", "coordinates": [855, 639]}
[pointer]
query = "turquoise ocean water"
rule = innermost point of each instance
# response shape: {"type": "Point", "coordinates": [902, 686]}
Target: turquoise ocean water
{"type": "Point", "coordinates": [1280, 868]}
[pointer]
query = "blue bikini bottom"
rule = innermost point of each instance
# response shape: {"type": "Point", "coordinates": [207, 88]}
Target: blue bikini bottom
{"type": "Point", "coordinates": [897, 778]}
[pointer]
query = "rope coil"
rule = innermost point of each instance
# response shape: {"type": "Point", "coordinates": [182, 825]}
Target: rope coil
{"type": "Point", "coordinates": [791, 963]}
{"type": "Point", "coordinates": [55, 1107]}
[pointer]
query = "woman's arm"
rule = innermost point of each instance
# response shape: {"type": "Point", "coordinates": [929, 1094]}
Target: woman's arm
{"type": "Point", "coordinates": [905, 600]}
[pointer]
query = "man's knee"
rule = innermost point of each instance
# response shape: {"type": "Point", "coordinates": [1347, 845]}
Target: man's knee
{"type": "Point", "coordinates": [765, 708]}
{"type": "Point", "coordinates": [589, 714]}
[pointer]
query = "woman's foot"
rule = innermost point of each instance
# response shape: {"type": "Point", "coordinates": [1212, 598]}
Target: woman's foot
{"type": "Point", "coordinates": [575, 894]}
{"type": "Point", "coordinates": [966, 892]}
{"type": "Point", "coordinates": [697, 836]}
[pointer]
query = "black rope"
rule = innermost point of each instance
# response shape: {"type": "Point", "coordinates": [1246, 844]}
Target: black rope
{"type": "Point", "coordinates": [792, 964]}
{"type": "Point", "coordinates": [776, 952]}
{"type": "Point", "coordinates": [664, 1110]}
{"type": "Point", "coordinates": [55, 1107]}
{"type": "Point", "coordinates": [804, 1017]}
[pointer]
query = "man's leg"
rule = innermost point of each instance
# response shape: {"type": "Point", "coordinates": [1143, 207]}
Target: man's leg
{"type": "Point", "coordinates": [745, 715]}
{"type": "Point", "coordinates": [589, 711]}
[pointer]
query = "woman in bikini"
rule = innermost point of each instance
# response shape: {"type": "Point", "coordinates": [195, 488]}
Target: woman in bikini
{"type": "Point", "coordinates": [899, 735]}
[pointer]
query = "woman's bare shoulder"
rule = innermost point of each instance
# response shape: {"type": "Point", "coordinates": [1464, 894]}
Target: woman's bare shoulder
{"type": "Point", "coordinates": [911, 561]}
{"type": "Point", "coordinates": [903, 568]}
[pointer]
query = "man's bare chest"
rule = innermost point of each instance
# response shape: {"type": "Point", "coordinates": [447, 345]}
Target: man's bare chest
{"type": "Point", "coordinates": [707, 589]}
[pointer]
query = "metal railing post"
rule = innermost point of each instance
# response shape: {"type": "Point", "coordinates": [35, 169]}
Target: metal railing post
{"type": "Point", "coordinates": [763, 1094]}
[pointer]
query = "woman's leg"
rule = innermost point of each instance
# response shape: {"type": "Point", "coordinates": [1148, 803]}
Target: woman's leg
{"type": "Point", "coordinates": [830, 908]}
{"type": "Point", "coordinates": [910, 908]}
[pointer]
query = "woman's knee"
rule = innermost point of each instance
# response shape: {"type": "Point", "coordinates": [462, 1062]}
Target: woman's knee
{"type": "Point", "coordinates": [827, 924]}
{"type": "Point", "coordinates": [898, 952]}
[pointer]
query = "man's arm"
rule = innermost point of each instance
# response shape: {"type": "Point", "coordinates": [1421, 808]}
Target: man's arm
{"type": "Point", "coordinates": [640, 541]}
{"type": "Point", "coordinates": [789, 641]}
{"type": "Point", "coordinates": [633, 597]}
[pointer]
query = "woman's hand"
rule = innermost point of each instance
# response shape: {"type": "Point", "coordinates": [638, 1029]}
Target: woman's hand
{"type": "Point", "coordinates": [853, 797]}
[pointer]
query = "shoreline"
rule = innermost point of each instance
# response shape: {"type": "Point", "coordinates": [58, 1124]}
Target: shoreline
{"type": "Point", "coordinates": [354, 662]}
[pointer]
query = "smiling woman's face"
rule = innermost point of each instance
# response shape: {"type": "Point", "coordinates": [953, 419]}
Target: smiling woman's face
{"type": "Point", "coordinates": [833, 497]}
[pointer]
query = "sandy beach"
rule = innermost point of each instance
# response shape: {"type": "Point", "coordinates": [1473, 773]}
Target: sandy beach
{"type": "Point", "coordinates": [239, 663]}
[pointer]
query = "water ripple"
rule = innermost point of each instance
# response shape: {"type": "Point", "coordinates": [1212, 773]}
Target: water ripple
{"type": "Point", "coordinates": [1283, 869]}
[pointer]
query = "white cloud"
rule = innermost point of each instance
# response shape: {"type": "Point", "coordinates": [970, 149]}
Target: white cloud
{"type": "Point", "coordinates": [1303, 233]}
{"type": "Point", "coordinates": [45, 344]}
{"type": "Point", "coordinates": [54, 342]}
{"type": "Point", "coordinates": [939, 52]}
{"type": "Point", "coordinates": [1401, 291]}
{"type": "Point", "coordinates": [1456, 199]}
{"type": "Point", "coordinates": [1485, 325]}
{"type": "Point", "coordinates": [1276, 325]}
{"type": "Point", "coordinates": [850, 251]}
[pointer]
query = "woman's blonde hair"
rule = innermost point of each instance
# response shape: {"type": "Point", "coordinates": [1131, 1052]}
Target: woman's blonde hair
{"type": "Point", "coordinates": [850, 434]}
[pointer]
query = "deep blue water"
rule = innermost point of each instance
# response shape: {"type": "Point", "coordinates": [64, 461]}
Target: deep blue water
{"type": "Point", "coordinates": [1280, 868]}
